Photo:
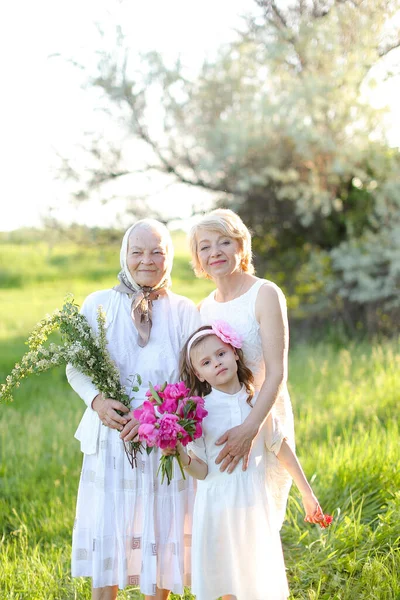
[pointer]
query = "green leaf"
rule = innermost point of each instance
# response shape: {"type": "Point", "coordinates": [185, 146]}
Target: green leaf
{"type": "Point", "coordinates": [154, 394]}
{"type": "Point", "coordinates": [178, 458]}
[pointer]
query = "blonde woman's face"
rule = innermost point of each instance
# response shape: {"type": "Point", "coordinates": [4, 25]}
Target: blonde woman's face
{"type": "Point", "coordinates": [219, 255]}
{"type": "Point", "coordinates": [147, 257]}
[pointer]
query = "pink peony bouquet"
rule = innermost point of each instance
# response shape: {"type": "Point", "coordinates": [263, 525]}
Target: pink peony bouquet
{"type": "Point", "coordinates": [167, 417]}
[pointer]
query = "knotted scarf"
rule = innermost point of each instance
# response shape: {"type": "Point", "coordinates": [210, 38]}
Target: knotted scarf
{"type": "Point", "coordinates": [141, 306]}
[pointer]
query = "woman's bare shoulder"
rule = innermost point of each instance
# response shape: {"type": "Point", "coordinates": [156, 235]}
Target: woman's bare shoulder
{"type": "Point", "coordinates": [269, 290]}
{"type": "Point", "coordinates": [270, 299]}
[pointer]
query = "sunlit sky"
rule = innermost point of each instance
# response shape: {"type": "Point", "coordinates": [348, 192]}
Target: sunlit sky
{"type": "Point", "coordinates": [44, 110]}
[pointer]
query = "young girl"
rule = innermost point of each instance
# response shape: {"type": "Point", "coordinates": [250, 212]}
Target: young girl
{"type": "Point", "coordinates": [236, 548]}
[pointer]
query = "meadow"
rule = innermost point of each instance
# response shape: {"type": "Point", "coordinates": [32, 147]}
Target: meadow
{"type": "Point", "coordinates": [345, 398]}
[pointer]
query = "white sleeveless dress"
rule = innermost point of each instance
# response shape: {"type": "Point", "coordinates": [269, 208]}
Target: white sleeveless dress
{"type": "Point", "coordinates": [240, 314]}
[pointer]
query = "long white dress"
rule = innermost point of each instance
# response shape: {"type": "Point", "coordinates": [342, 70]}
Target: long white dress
{"type": "Point", "coordinates": [236, 545]}
{"type": "Point", "coordinates": [240, 314]}
{"type": "Point", "coordinates": [130, 529]}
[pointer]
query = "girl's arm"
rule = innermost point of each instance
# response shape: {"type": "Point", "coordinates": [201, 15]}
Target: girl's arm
{"type": "Point", "coordinates": [272, 317]}
{"type": "Point", "coordinates": [196, 467]}
{"type": "Point", "coordinates": [291, 463]}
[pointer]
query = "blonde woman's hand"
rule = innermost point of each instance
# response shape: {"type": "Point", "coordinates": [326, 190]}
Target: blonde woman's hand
{"type": "Point", "coordinates": [107, 408]}
{"type": "Point", "coordinates": [238, 443]}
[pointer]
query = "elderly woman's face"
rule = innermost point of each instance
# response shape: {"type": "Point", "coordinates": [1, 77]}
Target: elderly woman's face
{"type": "Point", "coordinates": [147, 257]}
{"type": "Point", "coordinates": [218, 254]}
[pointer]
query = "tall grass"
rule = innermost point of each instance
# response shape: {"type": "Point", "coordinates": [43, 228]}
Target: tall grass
{"type": "Point", "coordinates": [346, 406]}
{"type": "Point", "coordinates": [348, 440]}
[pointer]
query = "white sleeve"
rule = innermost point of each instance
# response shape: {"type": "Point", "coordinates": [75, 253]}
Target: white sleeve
{"type": "Point", "coordinates": [190, 321]}
{"type": "Point", "coordinates": [198, 448]}
{"type": "Point", "coordinates": [273, 434]}
{"type": "Point", "coordinates": [81, 383]}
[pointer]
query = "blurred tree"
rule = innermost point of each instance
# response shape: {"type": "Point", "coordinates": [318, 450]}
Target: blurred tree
{"type": "Point", "coordinates": [280, 127]}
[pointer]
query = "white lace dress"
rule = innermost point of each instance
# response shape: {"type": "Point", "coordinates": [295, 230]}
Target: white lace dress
{"type": "Point", "coordinates": [130, 529]}
{"type": "Point", "coordinates": [236, 545]}
{"type": "Point", "coordinates": [240, 314]}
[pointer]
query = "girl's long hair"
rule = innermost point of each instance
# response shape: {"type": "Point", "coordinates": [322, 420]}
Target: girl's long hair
{"type": "Point", "coordinates": [203, 388]}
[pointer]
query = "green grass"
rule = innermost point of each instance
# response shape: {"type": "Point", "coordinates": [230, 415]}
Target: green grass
{"type": "Point", "coordinates": [35, 278]}
{"type": "Point", "coordinates": [346, 411]}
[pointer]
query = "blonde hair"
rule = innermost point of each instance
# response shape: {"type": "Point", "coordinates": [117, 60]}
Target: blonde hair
{"type": "Point", "coordinates": [226, 222]}
{"type": "Point", "coordinates": [202, 388]}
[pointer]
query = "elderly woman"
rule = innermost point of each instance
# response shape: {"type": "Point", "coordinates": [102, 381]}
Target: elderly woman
{"type": "Point", "coordinates": [130, 529]}
{"type": "Point", "coordinates": [221, 251]}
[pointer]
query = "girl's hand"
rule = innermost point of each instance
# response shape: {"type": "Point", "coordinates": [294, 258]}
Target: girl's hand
{"type": "Point", "coordinates": [169, 451]}
{"type": "Point", "coordinates": [238, 442]}
{"type": "Point", "coordinates": [179, 450]}
{"type": "Point", "coordinates": [314, 513]}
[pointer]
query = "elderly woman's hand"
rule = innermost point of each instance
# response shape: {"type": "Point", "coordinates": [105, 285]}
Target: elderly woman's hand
{"type": "Point", "coordinates": [130, 431]}
{"type": "Point", "coordinates": [106, 409]}
{"type": "Point", "coordinates": [238, 443]}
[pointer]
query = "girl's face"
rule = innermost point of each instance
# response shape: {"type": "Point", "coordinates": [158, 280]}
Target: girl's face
{"type": "Point", "coordinates": [216, 362]}
{"type": "Point", "coordinates": [218, 254]}
{"type": "Point", "coordinates": [147, 257]}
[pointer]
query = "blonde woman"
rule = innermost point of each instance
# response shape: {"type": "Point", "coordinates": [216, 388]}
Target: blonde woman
{"type": "Point", "coordinates": [256, 308]}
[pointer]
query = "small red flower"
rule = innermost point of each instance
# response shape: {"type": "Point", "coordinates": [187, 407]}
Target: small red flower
{"type": "Point", "coordinates": [326, 521]}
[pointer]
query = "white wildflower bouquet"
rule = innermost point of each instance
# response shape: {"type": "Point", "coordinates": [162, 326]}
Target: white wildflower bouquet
{"type": "Point", "coordinates": [79, 346]}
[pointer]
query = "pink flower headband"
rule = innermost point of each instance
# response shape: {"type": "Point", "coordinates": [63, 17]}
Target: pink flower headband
{"type": "Point", "coordinates": [222, 330]}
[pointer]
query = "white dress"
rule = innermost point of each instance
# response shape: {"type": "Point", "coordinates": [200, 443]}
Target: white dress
{"type": "Point", "coordinates": [130, 529]}
{"type": "Point", "coordinates": [236, 545]}
{"type": "Point", "coordinates": [240, 314]}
